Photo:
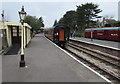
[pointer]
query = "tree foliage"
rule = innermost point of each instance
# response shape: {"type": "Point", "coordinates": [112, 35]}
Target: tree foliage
{"type": "Point", "coordinates": [110, 22]}
{"type": "Point", "coordinates": [34, 22]}
{"type": "Point", "coordinates": [55, 23]}
{"type": "Point", "coordinates": [113, 24]}
{"type": "Point", "coordinates": [83, 16]}
{"type": "Point", "coordinates": [60, 22]}
{"type": "Point", "coordinates": [40, 21]}
{"type": "Point", "coordinates": [68, 19]}
{"type": "Point", "coordinates": [86, 13]}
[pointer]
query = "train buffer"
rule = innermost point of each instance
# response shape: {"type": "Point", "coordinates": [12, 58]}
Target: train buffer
{"type": "Point", "coordinates": [46, 63]}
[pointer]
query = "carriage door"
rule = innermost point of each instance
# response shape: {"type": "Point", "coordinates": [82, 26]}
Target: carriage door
{"type": "Point", "coordinates": [61, 35]}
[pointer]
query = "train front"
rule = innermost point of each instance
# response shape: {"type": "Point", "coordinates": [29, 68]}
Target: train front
{"type": "Point", "coordinates": [61, 35]}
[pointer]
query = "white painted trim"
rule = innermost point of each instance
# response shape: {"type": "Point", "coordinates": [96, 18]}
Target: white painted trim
{"type": "Point", "coordinates": [96, 44]}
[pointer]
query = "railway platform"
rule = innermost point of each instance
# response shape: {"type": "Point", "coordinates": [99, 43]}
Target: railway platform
{"type": "Point", "coordinates": [0, 68]}
{"type": "Point", "coordinates": [46, 63]}
{"type": "Point", "coordinates": [110, 44]}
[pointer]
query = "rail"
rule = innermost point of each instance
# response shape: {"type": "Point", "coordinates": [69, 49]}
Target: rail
{"type": "Point", "coordinates": [106, 64]}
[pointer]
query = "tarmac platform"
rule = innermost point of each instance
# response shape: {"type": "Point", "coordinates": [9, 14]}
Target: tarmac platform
{"type": "Point", "coordinates": [0, 68]}
{"type": "Point", "coordinates": [111, 44]}
{"type": "Point", "coordinates": [45, 63]}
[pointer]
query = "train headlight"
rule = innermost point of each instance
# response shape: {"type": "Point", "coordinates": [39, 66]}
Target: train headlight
{"type": "Point", "coordinates": [56, 34]}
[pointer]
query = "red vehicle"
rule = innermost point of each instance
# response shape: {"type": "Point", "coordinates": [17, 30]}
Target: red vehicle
{"type": "Point", "coordinates": [108, 33]}
{"type": "Point", "coordinates": [58, 34]}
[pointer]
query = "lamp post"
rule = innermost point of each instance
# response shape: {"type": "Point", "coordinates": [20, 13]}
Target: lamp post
{"type": "Point", "coordinates": [3, 28]}
{"type": "Point", "coordinates": [22, 15]}
{"type": "Point", "coordinates": [2, 16]}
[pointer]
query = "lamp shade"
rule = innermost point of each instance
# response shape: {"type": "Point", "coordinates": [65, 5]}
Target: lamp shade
{"type": "Point", "coordinates": [22, 14]}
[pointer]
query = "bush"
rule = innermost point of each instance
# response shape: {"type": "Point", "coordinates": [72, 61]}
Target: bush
{"type": "Point", "coordinates": [79, 34]}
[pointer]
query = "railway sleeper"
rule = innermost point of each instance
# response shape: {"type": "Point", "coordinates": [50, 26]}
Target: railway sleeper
{"type": "Point", "coordinates": [93, 54]}
{"type": "Point", "coordinates": [114, 70]}
{"type": "Point", "coordinates": [96, 51]}
{"type": "Point", "coordinates": [105, 70]}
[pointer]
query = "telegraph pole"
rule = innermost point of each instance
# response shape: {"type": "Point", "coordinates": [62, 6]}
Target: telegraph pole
{"type": "Point", "coordinates": [2, 16]}
{"type": "Point", "coordinates": [3, 28]}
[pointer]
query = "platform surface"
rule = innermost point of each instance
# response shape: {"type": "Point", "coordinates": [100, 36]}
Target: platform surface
{"type": "Point", "coordinates": [0, 68]}
{"type": "Point", "coordinates": [100, 42]}
{"type": "Point", "coordinates": [46, 63]}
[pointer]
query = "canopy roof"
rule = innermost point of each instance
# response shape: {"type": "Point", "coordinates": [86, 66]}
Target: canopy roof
{"type": "Point", "coordinates": [14, 24]}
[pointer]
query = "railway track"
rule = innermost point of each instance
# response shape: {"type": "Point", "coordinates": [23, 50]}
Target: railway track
{"type": "Point", "coordinates": [105, 64]}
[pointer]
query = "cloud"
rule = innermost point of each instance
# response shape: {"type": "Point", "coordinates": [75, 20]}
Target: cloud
{"type": "Point", "coordinates": [52, 10]}
{"type": "Point", "coordinates": [61, 0]}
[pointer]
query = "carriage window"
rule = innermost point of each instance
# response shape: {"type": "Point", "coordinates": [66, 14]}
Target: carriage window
{"type": "Point", "coordinates": [19, 31]}
{"type": "Point", "coordinates": [14, 31]}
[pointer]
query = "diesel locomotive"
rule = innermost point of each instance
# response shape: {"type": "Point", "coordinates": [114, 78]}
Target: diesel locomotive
{"type": "Point", "coordinates": [108, 33]}
{"type": "Point", "coordinates": [58, 34]}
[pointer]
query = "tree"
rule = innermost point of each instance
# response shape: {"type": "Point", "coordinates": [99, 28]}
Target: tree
{"type": "Point", "coordinates": [109, 19]}
{"type": "Point", "coordinates": [41, 22]}
{"type": "Point", "coordinates": [110, 22]}
{"type": "Point", "coordinates": [69, 19]}
{"type": "Point", "coordinates": [107, 25]}
{"type": "Point", "coordinates": [115, 24]}
{"type": "Point", "coordinates": [55, 23]}
{"type": "Point", "coordinates": [86, 13]}
{"type": "Point", "coordinates": [34, 22]}
{"type": "Point", "coordinates": [83, 17]}
{"type": "Point", "coordinates": [60, 22]}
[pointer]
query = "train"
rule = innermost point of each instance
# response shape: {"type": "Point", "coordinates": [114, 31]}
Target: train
{"type": "Point", "coordinates": [58, 34]}
{"type": "Point", "coordinates": [107, 33]}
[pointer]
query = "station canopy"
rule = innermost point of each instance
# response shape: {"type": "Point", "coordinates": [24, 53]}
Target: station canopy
{"type": "Point", "coordinates": [5, 24]}
{"type": "Point", "coordinates": [44, 28]}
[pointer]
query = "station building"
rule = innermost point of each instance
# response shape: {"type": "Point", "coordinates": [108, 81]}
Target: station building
{"type": "Point", "coordinates": [10, 34]}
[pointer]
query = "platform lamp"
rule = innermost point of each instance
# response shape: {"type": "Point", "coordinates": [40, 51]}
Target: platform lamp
{"type": "Point", "coordinates": [22, 15]}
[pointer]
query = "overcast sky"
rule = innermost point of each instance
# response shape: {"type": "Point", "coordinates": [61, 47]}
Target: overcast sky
{"type": "Point", "coordinates": [54, 9]}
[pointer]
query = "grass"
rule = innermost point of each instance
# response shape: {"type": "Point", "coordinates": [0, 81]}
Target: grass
{"type": "Point", "coordinates": [79, 33]}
